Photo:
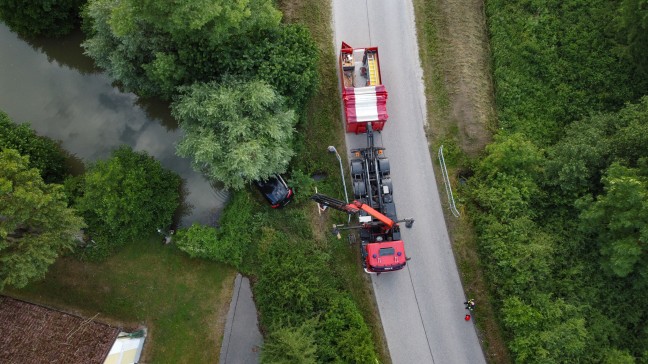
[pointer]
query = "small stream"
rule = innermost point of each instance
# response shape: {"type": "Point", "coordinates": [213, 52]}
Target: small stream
{"type": "Point", "coordinates": [56, 89]}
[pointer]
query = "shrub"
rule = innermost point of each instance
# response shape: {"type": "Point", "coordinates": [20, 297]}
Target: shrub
{"type": "Point", "coordinates": [125, 198]}
{"type": "Point", "coordinates": [44, 154]}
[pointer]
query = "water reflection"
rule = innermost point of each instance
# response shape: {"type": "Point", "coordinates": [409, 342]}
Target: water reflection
{"type": "Point", "coordinates": [65, 51]}
{"type": "Point", "coordinates": [90, 116]}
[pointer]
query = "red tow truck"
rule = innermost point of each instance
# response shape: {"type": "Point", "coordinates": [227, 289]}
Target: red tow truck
{"type": "Point", "coordinates": [363, 94]}
{"type": "Point", "coordinates": [381, 245]}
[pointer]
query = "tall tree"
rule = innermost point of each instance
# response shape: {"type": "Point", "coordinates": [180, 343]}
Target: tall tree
{"type": "Point", "coordinates": [43, 17]}
{"type": "Point", "coordinates": [619, 220]}
{"type": "Point", "coordinates": [44, 154]}
{"type": "Point", "coordinates": [285, 57]}
{"type": "Point", "coordinates": [126, 197]}
{"type": "Point", "coordinates": [235, 133]}
{"type": "Point", "coordinates": [36, 224]}
{"type": "Point", "coordinates": [153, 46]}
{"type": "Point", "coordinates": [633, 27]}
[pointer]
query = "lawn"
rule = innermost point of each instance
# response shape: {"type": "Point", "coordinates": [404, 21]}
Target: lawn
{"type": "Point", "coordinates": [181, 301]}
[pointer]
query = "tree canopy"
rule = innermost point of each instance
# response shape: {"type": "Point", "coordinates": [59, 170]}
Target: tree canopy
{"type": "Point", "coordinates": [41, 18]}
{"type": "Point", "coordinates": [235, 133]}
{"type": "Point", "coordinates": [618, 220]}
{"type": "Point", "coordinates": [632, 25]}
{"type": "Point", "coordinates": [44, 154]}
{"type": "Point", "coordinates": [152, 57]}
{"type": "Point", "coordinates": [36, 225]}
{"type": "Point", "coordinates": [124, 198]}
{"type": "Point", "coordinates": [285, 57]}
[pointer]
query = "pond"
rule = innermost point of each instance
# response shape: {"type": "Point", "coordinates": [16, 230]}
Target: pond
{"type": "Point", "coordinates": [54, 87]}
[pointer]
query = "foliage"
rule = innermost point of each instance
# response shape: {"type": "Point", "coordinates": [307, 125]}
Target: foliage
{"type": "Point", "coordinates": [555, 63]}
{"type": "Point", "coordinates": [575, 162]}
{"type": "Point", "coordinates": [44, 154]}
{"type": "Point", "coordinates": [293, 289]}
{"type": "Point", "coordinates": [125, 198]}
{"type": "Point", "coordinates": [303, 185]}
{"type": "Point", "coordinates": [228, 244]}
{"type": "Point", "coordinates": [288, 345]}
{"type": "Point", "coordinates": [632, 25]}
{"type": "Point", "coordinates": [290, 287]}
{"type": "Point", "coordinates": [152, 57]}
{"type": "Point", "coordinates": [546, 330]}
{"type": "Point", "coordinates": [36, 224]}
{"type": "Point", "coordinates": [561, 232]}
{"type": "Point", "coordinates": [285, 57]}
{"type": "Point", "coordinates": [198, 241]}
{"type": "Point", "coordinates": [506, 178]}
{"type": "Point", "coordinates": [235, 133]}
{"type": "Point", "coordinates": [41, 18]}
{"type": "Point", "coordinates": [345, 332]}
{"type": "Point", "coordinates": [618, 220]}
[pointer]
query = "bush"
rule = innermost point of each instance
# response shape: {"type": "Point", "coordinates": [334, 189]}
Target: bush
{"type": "Point", "coordinates": [555, 63]}
{"type": "Point", "coordinates": [232, 242]}
{"type": "Point", "coordinates": [198, 241]}
{"type": "Point", "coordinates": [285, 57]}
{"type": "Point", "coordinates": [125, 198]}
{"type": "Point", "coordinates": [343, 333]}
{"type": "Point", "coordinates": [302, 184]}
{"type": "Point", "coordinates": [44, 154]}
{"type": "Point", "coordinates": [290, 345]}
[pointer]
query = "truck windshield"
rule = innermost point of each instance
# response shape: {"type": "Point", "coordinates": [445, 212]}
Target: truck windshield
{"type": "Point", "coordinates": [386, 251]}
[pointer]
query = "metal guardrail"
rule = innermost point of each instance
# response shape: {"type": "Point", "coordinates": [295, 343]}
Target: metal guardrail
{"type": "Point", "coordinates": [446, 181]}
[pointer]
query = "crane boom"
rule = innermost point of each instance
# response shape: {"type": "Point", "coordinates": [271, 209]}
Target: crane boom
{"type": "Point", "coordinates": [353, 208]}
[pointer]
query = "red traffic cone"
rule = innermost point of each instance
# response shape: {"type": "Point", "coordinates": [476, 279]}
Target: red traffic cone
{"type": "Point", "coordinates": [467, 318]}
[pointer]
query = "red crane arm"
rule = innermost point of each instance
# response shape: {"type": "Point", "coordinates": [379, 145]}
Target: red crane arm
{"type": "Point", "coordinates": [375, 213]}
{"type": "Point", "coordinates": [353, 208]}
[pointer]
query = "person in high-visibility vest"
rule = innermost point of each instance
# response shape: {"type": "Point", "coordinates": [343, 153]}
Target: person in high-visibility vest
{"type": "Point", "coordinates": [470, 304]}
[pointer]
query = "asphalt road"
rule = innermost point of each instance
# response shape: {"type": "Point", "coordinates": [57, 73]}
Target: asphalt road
{"type": "Point", "coordinates": [421, 307]}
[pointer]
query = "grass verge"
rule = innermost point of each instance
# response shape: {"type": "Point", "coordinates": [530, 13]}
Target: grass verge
{"type": "Point", "coordinates": [453, 46]}
{"type": "Point", "coordinates": [181, 301]}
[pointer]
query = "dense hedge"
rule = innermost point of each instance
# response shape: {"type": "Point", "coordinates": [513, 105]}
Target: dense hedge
{"type": "Point", "coordinates": [555, 62]}
{"type": "Point", "coordinates": [305, 314]}
{"type": "Point", "coordinates": [560, 199]}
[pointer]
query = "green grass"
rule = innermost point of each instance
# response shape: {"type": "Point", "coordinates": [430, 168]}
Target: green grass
{"type": "Point", "coordinates": [147, 283]}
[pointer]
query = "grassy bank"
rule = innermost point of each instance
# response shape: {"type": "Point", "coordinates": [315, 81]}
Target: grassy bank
{"type": "Point", "coordinates": [178, 299]}
{"type": "Point", "coordinates": [454, 51]}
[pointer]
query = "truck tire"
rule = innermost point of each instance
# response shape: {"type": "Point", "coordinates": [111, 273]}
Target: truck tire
{"type": "Point", "coordinates": [359, 190]}
{"type": "Point", "coordinates": [383, 166]}
{"type": "Point", "coordinates": [356, 169]}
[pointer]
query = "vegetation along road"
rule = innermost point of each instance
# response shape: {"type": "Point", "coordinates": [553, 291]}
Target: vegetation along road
{"type": "Point", "coordinates": [421, 307]}
{"type": "Point", "coordinates": [541, 106]}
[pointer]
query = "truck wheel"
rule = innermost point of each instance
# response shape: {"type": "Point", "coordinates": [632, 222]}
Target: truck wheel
{"type": "Point", "coordinates": [359, 190]}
